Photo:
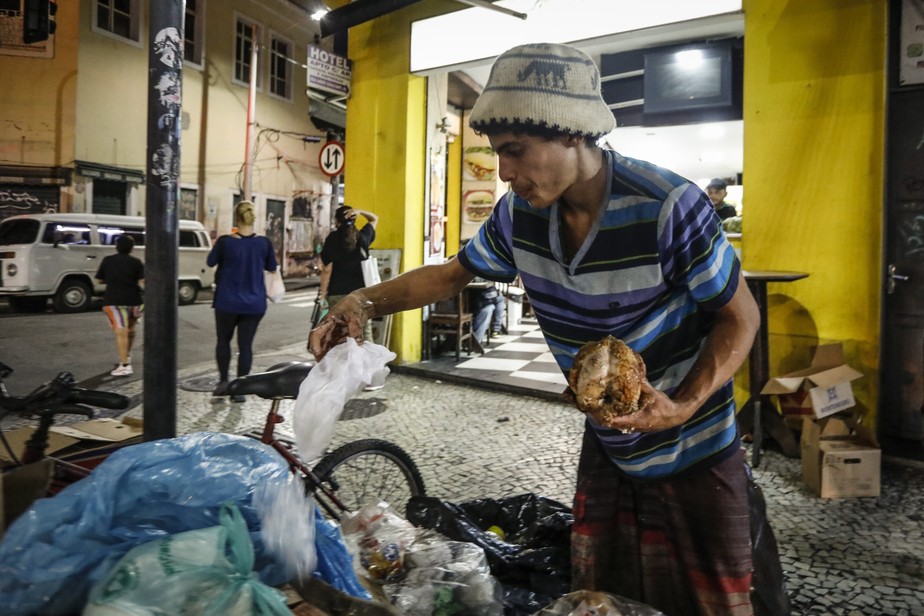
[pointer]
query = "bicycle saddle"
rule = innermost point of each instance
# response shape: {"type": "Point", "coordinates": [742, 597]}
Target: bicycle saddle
{"type": "Point", "coordinates": [280, 381]}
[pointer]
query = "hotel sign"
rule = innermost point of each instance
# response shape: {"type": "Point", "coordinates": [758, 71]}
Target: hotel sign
{"type": "Point", "coordinates": [328, 72]}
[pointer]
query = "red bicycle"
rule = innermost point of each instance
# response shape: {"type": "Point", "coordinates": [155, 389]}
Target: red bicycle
{"type": "Point", "coordinates": [350, 476]}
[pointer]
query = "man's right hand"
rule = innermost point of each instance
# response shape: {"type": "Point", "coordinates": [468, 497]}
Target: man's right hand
{"type": "Point", "coordinates": [344, 320]}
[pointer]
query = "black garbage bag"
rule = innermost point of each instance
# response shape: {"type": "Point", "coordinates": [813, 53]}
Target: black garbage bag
{"type": "Point", "coordinates": [532, 561]}
{"type": "Point", "coordinates": [768, 586]}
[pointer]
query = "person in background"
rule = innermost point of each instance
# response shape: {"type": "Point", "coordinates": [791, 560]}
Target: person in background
{"type": "Point", "coordinates": [345, 248]}
{"type": "Point", "coordinates": [717, 191]}
{"type": "Point", "coordinates": [490, 307]}
{"type": "Point", "coordinates": [607, 245]}
{"type": "Point", "coordinates": [123, 276]}
{"type": "Point", "coordinates": [240, 294]}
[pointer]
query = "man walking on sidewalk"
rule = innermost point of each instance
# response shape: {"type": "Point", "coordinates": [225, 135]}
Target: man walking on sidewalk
{"type": "Point", "coordinates": [123, 276]}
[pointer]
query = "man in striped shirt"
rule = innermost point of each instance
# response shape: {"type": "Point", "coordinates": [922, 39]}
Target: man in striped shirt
{"type": "Point", "coordinates": [607, 245]}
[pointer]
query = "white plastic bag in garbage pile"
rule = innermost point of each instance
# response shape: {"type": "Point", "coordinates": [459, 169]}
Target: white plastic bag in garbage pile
{"type": "Point", "coordinates": [446, 577]}
{"type": "Point", "coordinates": [342, 373]}
{"type": "Point", "coordinates": [421, 572]}
{"type": "Point", "coordinates": [288, 525]}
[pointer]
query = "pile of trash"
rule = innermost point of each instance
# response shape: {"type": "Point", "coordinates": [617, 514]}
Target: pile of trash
{"type": "Point", "coordinates": [141, 535]}
{"type": "Point", "coordinates": [215, 524]}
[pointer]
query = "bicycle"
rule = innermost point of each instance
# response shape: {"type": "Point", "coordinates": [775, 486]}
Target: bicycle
{"type": "Point", "coordinates": [56, 397]}
{"type": "Point", "coordinates": [346, 478]}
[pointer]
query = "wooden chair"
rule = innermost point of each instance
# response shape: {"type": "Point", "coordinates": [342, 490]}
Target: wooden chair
{"type": "Point", "coordinates": [451, 318]}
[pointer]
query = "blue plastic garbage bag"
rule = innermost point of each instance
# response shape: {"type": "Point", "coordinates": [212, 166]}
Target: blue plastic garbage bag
{"type": "Point", "coordinates": [335, 564]}
{"type": "Point", "coordinates": [58, 549]}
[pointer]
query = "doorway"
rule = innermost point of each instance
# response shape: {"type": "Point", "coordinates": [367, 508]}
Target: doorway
{"type": "Point", "coordinates": [110, 197]}
{"type": "Point", "coordinates": [901, 408]}
{"type": "Point", "coordinates": [275, 227]}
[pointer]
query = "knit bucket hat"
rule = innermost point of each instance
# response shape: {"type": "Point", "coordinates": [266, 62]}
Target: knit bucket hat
{"type": "Point", "coordinates": [544, 85]}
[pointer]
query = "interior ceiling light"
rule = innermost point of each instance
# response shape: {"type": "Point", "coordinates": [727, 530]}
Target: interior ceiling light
{"type": "Point", "coordinates": [690, 58]}
{"type": "Point", "coordinates": [319, 14]}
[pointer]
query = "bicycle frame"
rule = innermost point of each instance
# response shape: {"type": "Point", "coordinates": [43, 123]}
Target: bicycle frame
{"type": "Point", "coordinates": [296, 465]}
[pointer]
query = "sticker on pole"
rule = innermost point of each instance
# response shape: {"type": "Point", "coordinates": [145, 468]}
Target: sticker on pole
{"type": "Point", "coordinates": [332, 158]}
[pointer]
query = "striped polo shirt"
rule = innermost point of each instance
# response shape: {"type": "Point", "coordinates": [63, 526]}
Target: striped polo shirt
{"type": "Point", "coordinates": [652, 271]}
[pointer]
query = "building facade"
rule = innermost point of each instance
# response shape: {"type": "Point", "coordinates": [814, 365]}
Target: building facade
{"type": "Point", "coordinates": [75, 114]}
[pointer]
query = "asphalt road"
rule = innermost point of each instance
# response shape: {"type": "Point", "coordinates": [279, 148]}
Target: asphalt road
{"type": "Point", "coordinates": [39, 346]}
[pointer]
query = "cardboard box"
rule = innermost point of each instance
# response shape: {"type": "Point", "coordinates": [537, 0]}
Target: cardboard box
{"type": "Point", "coordinates": [840, 458]}
{"type": "Point", "coordinates": [17, 439]}
{"type": "Point", "coordinates": [822, 389]}
{"type": "Point", "coordinates": [105, 429]}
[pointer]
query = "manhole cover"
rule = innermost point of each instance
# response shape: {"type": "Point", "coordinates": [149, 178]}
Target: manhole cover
{"type": "Point", "coordinates": [203, 382]}
{"type": "Point", "coordinates": [360, 408]}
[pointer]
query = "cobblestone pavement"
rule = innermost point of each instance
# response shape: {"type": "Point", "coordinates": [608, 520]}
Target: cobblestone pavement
{"type": "Point", "coordinates": [847, 557]}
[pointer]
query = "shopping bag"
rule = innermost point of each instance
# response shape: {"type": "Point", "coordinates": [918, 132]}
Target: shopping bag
{"type": "Point", "coordinates": [320, 310]}
{"type": "Point", "coordinates": [275, 287]}
{"type": "Point", "coordinates": [371, 271]}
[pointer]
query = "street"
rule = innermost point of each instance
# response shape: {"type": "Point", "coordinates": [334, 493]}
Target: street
{"type": "Point", "coordinates": [39, 346]}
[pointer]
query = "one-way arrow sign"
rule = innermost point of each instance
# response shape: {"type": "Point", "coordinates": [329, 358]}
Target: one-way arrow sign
{"type": "Point", "coordinates": [331, 158]}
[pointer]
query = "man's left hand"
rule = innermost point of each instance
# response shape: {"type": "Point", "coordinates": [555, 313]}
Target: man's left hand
{"type": "Point", "coordinates": [656, 412]}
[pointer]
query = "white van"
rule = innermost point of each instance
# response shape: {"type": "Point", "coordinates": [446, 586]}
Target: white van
{"type": "Point", "coordinates": [57, 255]}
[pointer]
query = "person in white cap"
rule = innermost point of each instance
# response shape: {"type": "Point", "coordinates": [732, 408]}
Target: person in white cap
{"type": "Point", "coordinates": [607, 245]}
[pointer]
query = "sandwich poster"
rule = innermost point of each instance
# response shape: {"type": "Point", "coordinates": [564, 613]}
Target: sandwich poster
{"type": "Point", "coordinates": [479, 164]}
{"type": "Point", "coordinates": [479, 185]}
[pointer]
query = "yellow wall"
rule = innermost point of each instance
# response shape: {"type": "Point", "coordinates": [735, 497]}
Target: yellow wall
{"type": "Point", "coordinates": [814, 116]}
{"type": "Point", "coordinates": [386, 150]}
{"type": "Point", "coordinates": [453, 196]}
{"type": "Point", "coordinates": [38, 100]}
{"type": "Point", "coordinates": [112, 98]}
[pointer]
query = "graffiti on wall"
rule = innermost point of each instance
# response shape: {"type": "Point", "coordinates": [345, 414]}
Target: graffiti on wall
{"type": "Point", "coordinates": [28, 200]}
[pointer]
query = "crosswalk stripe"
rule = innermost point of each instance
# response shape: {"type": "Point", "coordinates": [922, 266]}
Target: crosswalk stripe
{"type": "Point", "coordinates": [296, 297]}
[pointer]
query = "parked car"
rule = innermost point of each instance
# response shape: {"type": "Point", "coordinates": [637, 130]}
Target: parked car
{"type": "Point", "coordinates": [57, 255]}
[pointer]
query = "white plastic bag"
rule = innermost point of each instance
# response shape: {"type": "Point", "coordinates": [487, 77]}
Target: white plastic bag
{"type": "Point", "coordinates": [275, 287]}
{"type": "Point", "coordinates": [287, 524]}
{"type": "Point", "coordinates": [420, 571]}
{"type": "Point", "coordinates": [370, 269]}
{"type": "Point", "coordinates": [342, 373]}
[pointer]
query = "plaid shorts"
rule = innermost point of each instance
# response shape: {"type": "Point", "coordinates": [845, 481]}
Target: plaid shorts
{"type": "Point", "coordinates": [123, 316]}
{"type": "Point", "coordinates": [681, 545]}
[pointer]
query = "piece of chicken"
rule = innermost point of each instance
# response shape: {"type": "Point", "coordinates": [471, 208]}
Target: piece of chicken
{"type": "Point", "coordinates": [606, 379]}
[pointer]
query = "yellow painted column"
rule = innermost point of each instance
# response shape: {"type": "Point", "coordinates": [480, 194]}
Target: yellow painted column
{"type": "Point", "coordinates": [814, 125]}
{"type": "Point", "coordinates": [385, 152]}
{"type": "Point", "coordinates": [453, 196]}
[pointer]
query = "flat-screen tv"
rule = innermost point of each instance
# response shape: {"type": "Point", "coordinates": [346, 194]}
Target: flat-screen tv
{"type": "Point", "coordinates": [696, 77]}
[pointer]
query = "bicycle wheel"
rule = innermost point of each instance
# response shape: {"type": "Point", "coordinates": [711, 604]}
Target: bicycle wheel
{"type": "Point", "coordinates": [370, 470]}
